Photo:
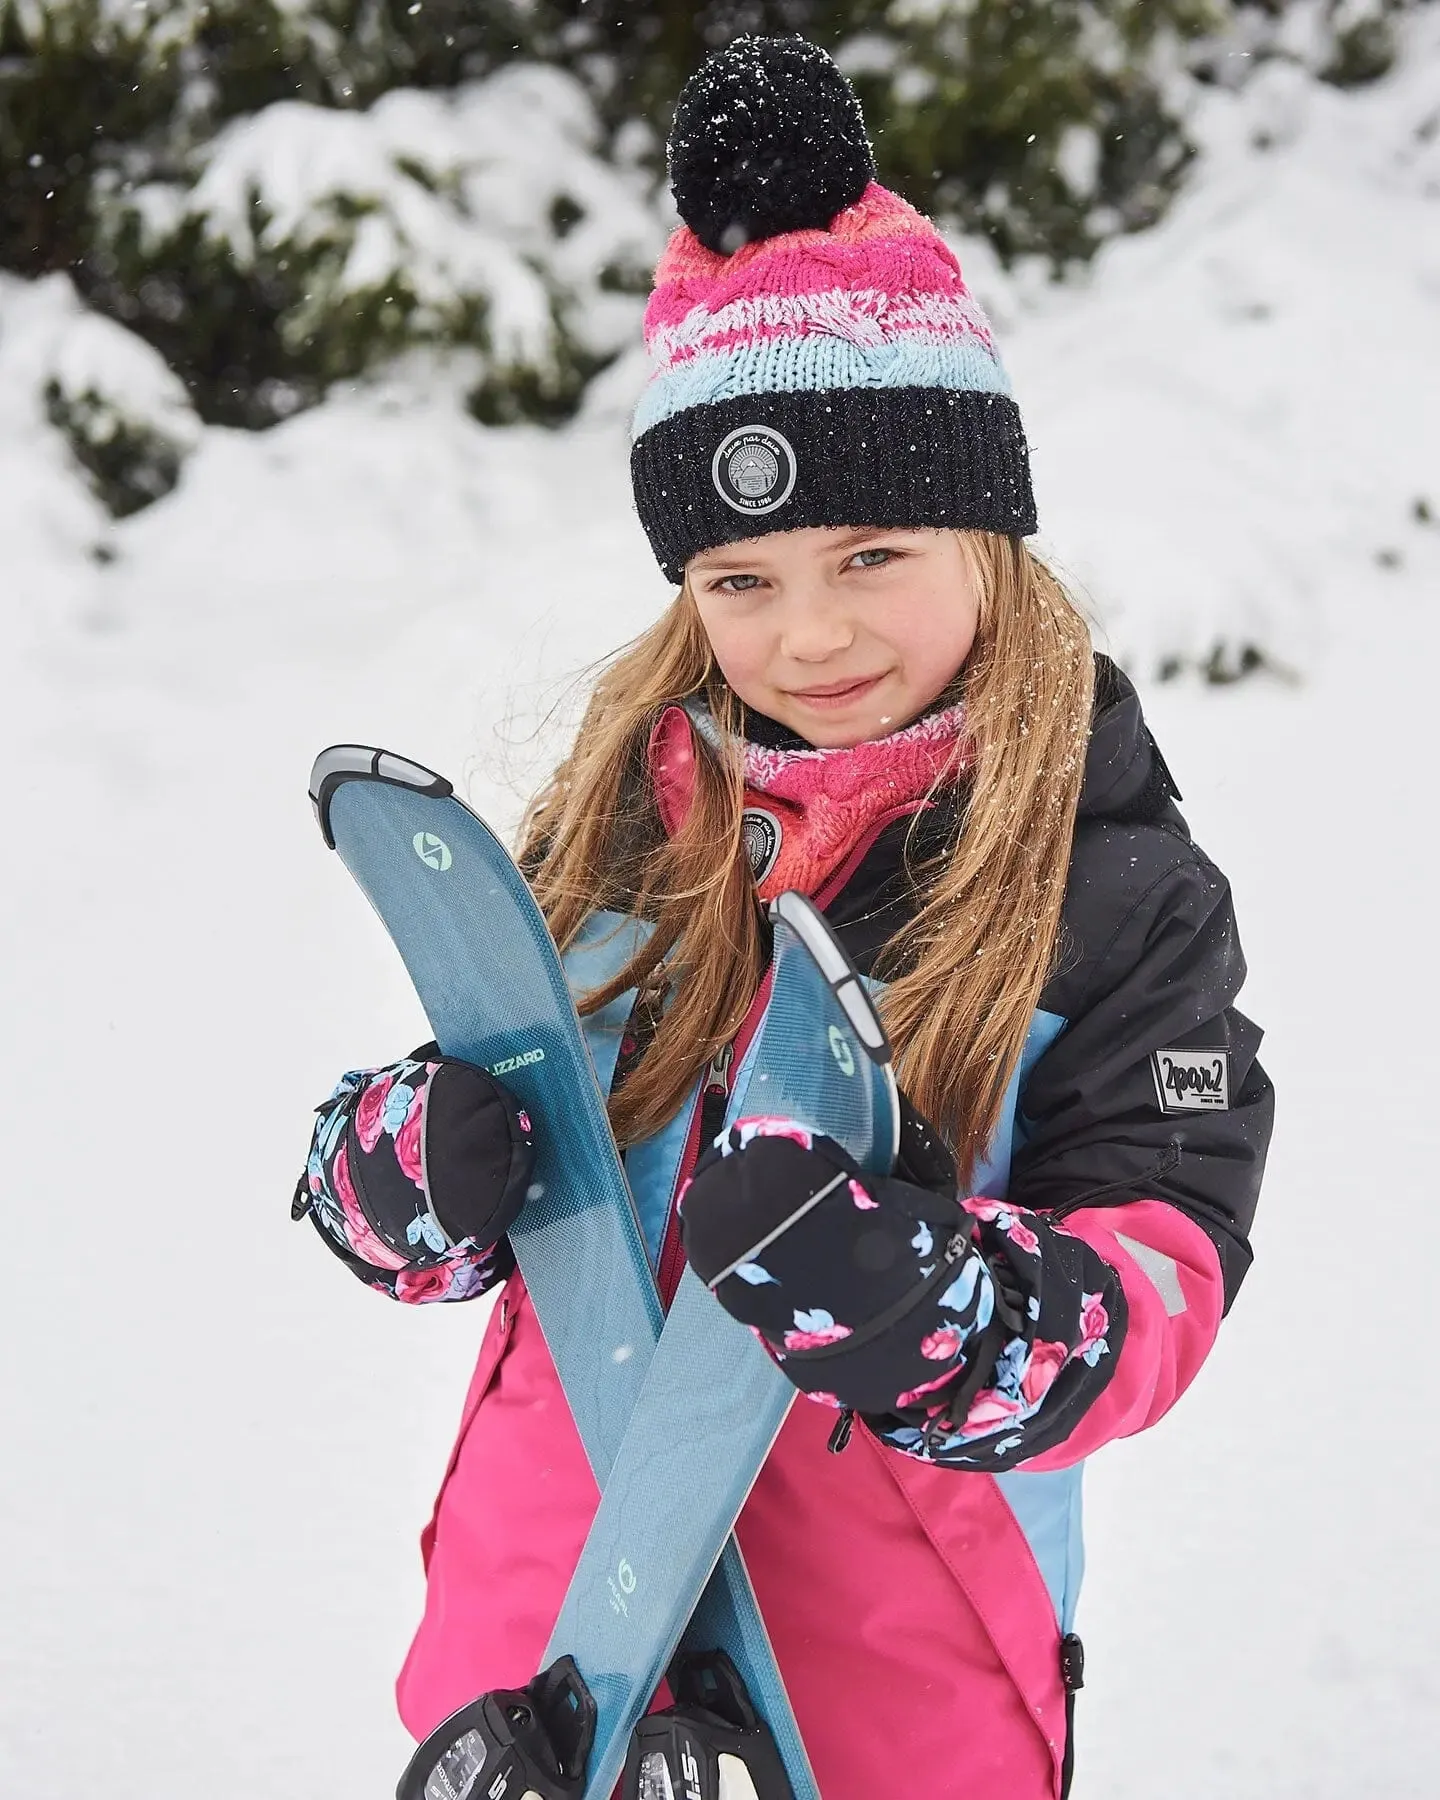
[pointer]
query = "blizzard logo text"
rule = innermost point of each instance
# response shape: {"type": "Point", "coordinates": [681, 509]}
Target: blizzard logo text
{"type": "Point", "coordinates": [1192, 1080]}
{"type": "Point", "coordinates": [523, 1061]}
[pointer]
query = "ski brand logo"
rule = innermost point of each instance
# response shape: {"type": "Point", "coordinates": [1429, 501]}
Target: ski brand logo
{"type": "Point", "coordinates": [622, 1585]}
{"type": "Point", "coordinates": [434, 852]}
{"type": "Point", "coordinates": [841, 1051]}
{"type": "Point", "coordinates": [1192, 1080]}
{"type": "Point", "coordinates": [522, 1061]}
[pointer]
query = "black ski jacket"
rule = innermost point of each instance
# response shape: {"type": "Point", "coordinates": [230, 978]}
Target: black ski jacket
{"type": "Point", "coordinates": [1151, 1091]}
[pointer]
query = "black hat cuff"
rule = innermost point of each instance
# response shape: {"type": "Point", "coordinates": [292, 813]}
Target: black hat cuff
{"type": "Point", "coordinates": [909, 456]}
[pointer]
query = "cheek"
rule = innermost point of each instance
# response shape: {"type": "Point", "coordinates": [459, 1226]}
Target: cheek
{"type": "Point", "coordinates": [935, 632]}
{"type": "Point", "coordinates": [738, 643]}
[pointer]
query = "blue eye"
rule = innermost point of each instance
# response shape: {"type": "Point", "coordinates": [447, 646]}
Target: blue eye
{"type": "Point", "coordinates": [884, 556]}
{"type": "Point", "coordinates": [751, 581]}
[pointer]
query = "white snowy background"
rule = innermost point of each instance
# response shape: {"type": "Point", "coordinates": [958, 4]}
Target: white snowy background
{"type": "Point", "coordinates": [216, 1450]}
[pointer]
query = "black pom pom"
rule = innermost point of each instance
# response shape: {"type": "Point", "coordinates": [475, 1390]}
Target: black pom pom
{"type": "Point", "coordinates": [768, 137]}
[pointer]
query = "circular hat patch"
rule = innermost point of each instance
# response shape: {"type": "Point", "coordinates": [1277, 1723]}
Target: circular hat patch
{"type": "Point", "coordinates": [754, 469]}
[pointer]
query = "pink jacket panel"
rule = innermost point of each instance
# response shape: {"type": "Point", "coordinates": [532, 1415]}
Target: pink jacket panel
{"type": "Point", "coordinates": [890, 1589]}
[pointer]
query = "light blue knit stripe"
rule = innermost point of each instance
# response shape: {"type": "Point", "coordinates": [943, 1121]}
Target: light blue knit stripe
{"type": "Point", "coordinates": [813, 363]}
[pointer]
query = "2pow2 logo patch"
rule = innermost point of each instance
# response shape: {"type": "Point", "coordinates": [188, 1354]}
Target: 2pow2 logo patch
{"type": "Point", "coordinates": [1192, 1080]}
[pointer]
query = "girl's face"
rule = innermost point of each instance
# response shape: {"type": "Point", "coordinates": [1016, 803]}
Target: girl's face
{"type": "Point", "coordinates": [843, 635]}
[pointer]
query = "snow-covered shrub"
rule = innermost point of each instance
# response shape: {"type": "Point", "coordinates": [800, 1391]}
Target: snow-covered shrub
{"type": "Point", "coordinates": [1231, 426]}
{"type": "Point", "coordinates": [483, 217]}
{"type": "Point", "coordinates": [123, 421]}
{"type": "Point", "coordinates": [1344, 43]}
{"type": "Point", "coordinates": [1046, 126]}
{"type": "Point", "coordinates": [102, 97]}
{"type": "Point", "coordinates": [78, 78]}
{"type": "Point", "coordinates": [124, 414]}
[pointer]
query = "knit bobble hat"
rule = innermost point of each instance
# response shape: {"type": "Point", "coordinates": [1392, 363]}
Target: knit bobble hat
{"type": "Point", "coordinates": [817, 358]}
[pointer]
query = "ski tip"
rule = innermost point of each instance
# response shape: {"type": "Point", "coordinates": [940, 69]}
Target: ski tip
{"type": "Point", "coordinates": [830, 957]}
{"type": "Point", "coordinates": [340, 763]}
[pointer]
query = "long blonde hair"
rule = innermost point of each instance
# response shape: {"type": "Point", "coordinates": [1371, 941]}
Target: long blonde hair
{"type": "Point", "coordinates": [964, 975]}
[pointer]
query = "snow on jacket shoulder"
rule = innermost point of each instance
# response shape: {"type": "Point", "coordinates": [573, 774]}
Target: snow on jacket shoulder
{"type": "Point", "coordinates": [1139, 1138]}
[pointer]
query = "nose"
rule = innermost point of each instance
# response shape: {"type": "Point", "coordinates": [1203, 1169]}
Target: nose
{"type": "Point", "coordinates": [814, 628]}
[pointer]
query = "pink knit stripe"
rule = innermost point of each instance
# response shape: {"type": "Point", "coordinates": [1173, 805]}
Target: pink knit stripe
{"type": "Point", "coordinates": [879, 212]}
{"type": "Point", "coordinates": [868, 319]}
{"type": "Point", "coordinates": [877, 217]}
{"type": "Point", "coordinates": [893, 265]}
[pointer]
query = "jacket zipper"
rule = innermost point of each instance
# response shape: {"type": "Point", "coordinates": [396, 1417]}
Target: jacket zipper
{"type": "Point", "coordinates": [715, 1094]}
{"type": "Point", "coordinates": [705, 1125]}
{"type": "Point", "coordinates": [714, 1098]}
{"type": "Point", "coordinates": [830, 889]}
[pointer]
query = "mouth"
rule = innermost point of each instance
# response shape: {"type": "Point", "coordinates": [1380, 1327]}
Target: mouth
{"type": "Point", "coordinates": [835, 694]}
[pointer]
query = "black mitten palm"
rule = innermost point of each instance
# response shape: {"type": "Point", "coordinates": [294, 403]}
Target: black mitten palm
{"type": "Point", "coordinates": [869, 1291]}
{"type": "Point", "coordinates": [416, 1172]}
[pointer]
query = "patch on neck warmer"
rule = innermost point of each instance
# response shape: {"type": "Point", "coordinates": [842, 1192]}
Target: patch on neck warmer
{"type": "Point", "coordinates": [763, 834]}
{"type": "Point", "coordinates": [808, 811]}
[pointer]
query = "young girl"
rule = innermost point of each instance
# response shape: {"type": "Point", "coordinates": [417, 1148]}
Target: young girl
{"type": "Point", "coordinates": [866, 688]}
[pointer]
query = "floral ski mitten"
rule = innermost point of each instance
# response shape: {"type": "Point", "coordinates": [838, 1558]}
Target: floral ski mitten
{"type": "Point", "coordinates": [871, 1293]}
{"type": "Point", "coordinates": [416, 1171]}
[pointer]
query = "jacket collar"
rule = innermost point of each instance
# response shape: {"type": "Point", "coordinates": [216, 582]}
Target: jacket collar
{"type": "Point", "coordinates": [828, 803]}
{"type": "Point", "coordinates": [1126, 777]}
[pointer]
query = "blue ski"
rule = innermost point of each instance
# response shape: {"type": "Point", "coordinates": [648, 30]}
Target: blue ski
{"type": "Point", "coordinates": [496, 993]}
{"type": "Point", "coordinates": [712, 1402]}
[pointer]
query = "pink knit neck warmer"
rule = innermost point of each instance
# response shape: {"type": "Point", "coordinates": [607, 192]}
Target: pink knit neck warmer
{"type": "Point", "coordinates": [809, 812]}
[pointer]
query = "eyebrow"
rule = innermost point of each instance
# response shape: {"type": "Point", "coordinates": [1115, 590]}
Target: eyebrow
{"type": "Point", "coordinates": [846, 541]}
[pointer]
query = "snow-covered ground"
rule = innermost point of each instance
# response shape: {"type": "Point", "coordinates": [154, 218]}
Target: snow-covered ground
{"type": "Point", "coordinates": [218, 1449]}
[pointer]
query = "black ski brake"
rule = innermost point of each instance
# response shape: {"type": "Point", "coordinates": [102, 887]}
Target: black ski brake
{"type": "Point", "coordinates": [710, 1745]}
{"type": "Point", "coordinates": [510, 1743]}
